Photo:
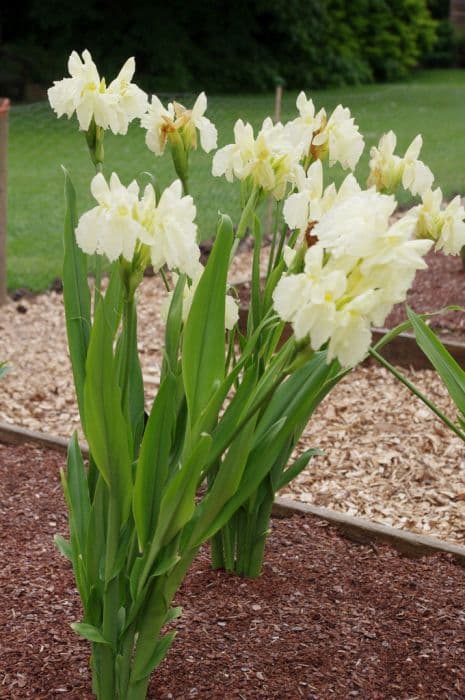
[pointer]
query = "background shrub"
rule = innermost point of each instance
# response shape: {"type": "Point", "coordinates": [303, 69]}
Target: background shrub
{"type": "Point", "coordinates": [224, 46]}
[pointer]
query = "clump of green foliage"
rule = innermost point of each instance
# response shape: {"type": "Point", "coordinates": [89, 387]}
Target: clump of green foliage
{"type": "Point", "coordinates": [233, 46]}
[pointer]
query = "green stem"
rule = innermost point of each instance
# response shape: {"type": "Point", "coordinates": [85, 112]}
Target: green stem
{"type": "Point", "coordinates": [216, 551]}
{"type": "Point", "coordinates": [128, 337]}
{"type": "Point", "coordinates": [247, 212]}
{"type": "Point", "coordinates": [228, 539]}
{"type": "Point", "coordinates": [273, 240]}
{"type": "Point", "coordinates": [107, 653]}
{"type": "Point", "coordinates": [98, 260]}
{"type": "Point", "coordinates": [402, 378]}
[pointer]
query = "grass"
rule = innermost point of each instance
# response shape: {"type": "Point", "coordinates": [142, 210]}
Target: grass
{"type": "Point", "coordinates": [433, 104]}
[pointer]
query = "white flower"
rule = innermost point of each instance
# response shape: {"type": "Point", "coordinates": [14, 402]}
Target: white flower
{"type": "Point", "coordinates": [452, 237]}
{"type": "Point", "coordinates": [444, 226]}
{"type": "Point", "coordinates": [121, 223]}
{"type": "Point", "coordinates": [169, 229]}
{"type": "Point", "coordinates": [87, 95]}
{"type": "Point", "coordinates": [132, 101]}
{"type": "Point", "coordinates": [305, 205]}
{"type": "Point", "coordinates": [416, 176]}
{"type": "Point", "coordinates": [112, 228]}
{"type": "Point", "coordinates": [300, 130]}
{"type": "Point", "coordinates": [385, 167]}
{"type": "Point", "coordinates": [270, 159]}
{"type": "Point", "coordinates": [352, 226]}
{"type": "Point", "coordinates": [359, 267]}
{"type": "Point", "coordinates": [341, 137]}
{"type": "Point", "coordinates": [207, 130]}
{"type": "Point", "coordinates": [158, 121]}
{"type": "Point", "coordinates": [351, 338]}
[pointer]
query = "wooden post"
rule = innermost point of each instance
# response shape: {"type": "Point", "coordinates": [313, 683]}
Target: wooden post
{"type": "Point", "coordinates": [457, 13]}
{"type": "Point", "coordinates": [4, 109]}
{"type": "Point", "coordinates": [278, 101]}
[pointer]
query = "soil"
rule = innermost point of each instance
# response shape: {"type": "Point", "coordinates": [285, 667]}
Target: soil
{"type": "Point", "coordinates": [327, 619]}
{"type": "Point", "coordinates": [441, 284]}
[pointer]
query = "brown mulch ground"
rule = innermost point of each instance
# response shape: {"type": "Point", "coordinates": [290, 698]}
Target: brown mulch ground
{"type": "Point", "coordinates": [327, 619]}
{"type": "Point", "coordinates": [441, 284]}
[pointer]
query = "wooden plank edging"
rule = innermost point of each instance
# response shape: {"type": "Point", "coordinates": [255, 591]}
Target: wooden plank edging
{"type": "Point", "coordinates": [366, 531]}
{"type": "Point", "coordinates": [356, 529]}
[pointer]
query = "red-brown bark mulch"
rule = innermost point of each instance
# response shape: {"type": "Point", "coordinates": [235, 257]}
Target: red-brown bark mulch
{"type": "Point", "coordinates": [442, 284]}
{"type": "Point", "coordinates": [327, 619]}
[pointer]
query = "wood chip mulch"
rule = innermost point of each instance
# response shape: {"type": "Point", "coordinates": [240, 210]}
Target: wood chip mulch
{"type": "Point", "coordinates": [387, 458]}
{"type": "Point", "coordinates": [327, 619]}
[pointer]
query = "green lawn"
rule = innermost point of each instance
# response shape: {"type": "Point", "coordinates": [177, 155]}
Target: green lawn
{"type": "Point", "coordinates": [432, 104]}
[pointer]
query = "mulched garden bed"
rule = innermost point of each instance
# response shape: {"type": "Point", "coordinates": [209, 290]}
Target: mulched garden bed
{"type": "Point", "coordinates": [440, 285]}
{"type": "Point", "coordinates": [328, 618]}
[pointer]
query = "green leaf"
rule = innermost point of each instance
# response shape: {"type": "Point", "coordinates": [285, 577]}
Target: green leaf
{"type": "Point", "coordinates": [299, 465]}
{"type": "Point", "coordinates": [160, 651]}
{"type": "Point", "coordinates": [96, 537]}
{"type": "Point", "coordinates": [173, 614]}
{"type": "Point", "coordinates": [153, 464]}
{"type": "Point", "coordinates": [203, 353]}
{"type": "Point", "coordinates": [64, 547]}
{"type": "Point", "coordinates": [78, 491]}
{"type": "Point", "coordinates": [76, 296]}
{"type": "Point", "coordinates": [127, 360]}
{"type": "Point", "coordinates": [89, 632]}
{"type": "Point", "coordinates": [448, 369]}
{"type": "Point", "coordinates": [3, 369]}
{"type": "Point", "coordinates": [106, 428]}
{"type": "Point", "coordinates": [299, 394]}
{"type": "Point", "coordinates": [178, 502]}
{"type": "Point", "coordinates": [173, 327]}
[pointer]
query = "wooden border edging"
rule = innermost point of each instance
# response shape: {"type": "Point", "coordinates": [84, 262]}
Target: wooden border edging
{"type": "Point", "coordinates": [356, 529]}
{"type": "Point", "coordinates": [365, 531]}
{"type": "Point", "coordinates": [404, 351]}
{"type": "Point", "coordinates": [13, 435]}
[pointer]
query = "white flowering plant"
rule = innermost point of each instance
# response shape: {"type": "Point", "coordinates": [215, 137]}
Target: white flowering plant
{"type": "Point", "coordinates": [205, 459]}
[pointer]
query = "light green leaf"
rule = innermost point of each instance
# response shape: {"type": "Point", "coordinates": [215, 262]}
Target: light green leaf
{"type": "Point", "coordinates": [78, 491]}
{"type": "Point", "coordinates": [449, 370]}
{"type": "Point", "coordinates": [203, 353]}
{"type": "Point", "coordinates": [160, 651]}
{"type": "Point", "coordinates": [89, 632]}
{"type": "Point", "coordinates": [76, 296]}
{"type": "Point", "coordinates": [106, 429]}
{"type": "Point", "coordinates": [64, 547]}
{"type": "Point", "coordinates": [299, 465]}
{"type": "Point", "coordinates": [153, 464]}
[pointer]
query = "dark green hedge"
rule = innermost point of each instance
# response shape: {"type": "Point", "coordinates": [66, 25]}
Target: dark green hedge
{"type": "Point", "coordinates": [225, 46]}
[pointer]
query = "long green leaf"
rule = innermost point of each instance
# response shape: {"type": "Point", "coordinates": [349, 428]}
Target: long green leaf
{"type": "Point", "coordinates": [203, 353]}
{"type": "Point", "coordinates": [299, 465]}
{"type": "Point", "coordinates": [153, 464]}
{"type": "Point", "coordinates": [78, 493]}
{"type": "Point", "coordinates": [159, 652]}
{"type": "Point", "coordinates": [106, 429]}
{"type": "Point", "coordinates": [301, 401]}
{"type": "Point", "coordinates": [448, 369]}
{"type": "Point", "coordinates": [76, 296]}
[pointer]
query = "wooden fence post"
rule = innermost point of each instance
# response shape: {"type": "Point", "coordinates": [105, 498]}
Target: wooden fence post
{"type": "Point", "coordinates": [4, 109]}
